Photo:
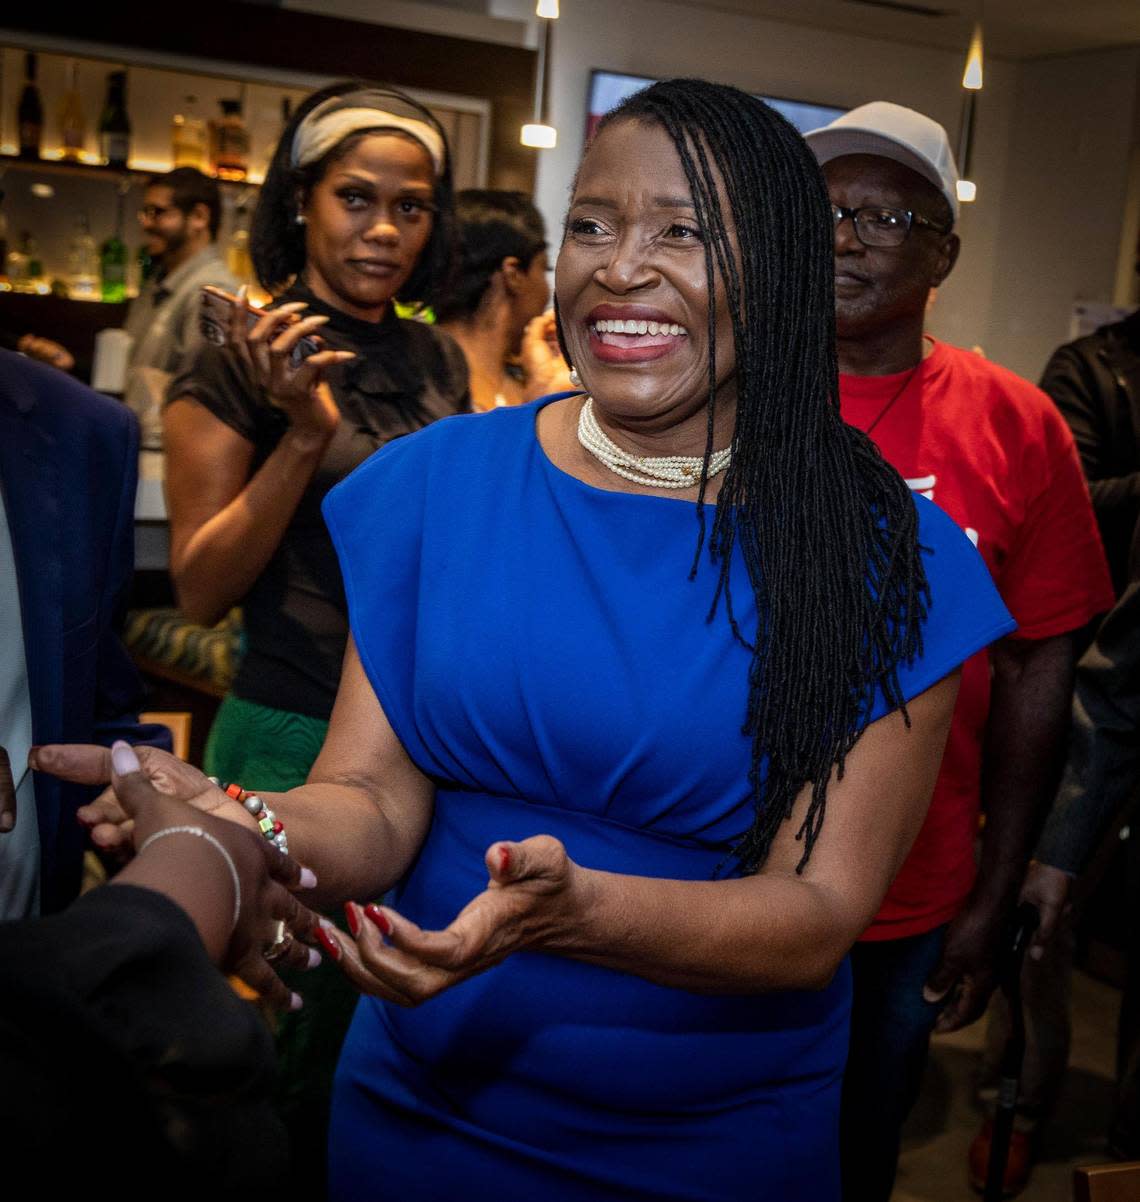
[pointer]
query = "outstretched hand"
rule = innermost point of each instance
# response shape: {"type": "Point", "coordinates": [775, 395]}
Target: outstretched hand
{"type": "Point", "coordinates": [111, 826]}
{"type": "Point", "coordinates": [533, 900]}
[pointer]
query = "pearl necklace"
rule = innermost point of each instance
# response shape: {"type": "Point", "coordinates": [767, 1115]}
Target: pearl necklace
{"type": "Point", "coordinates": [657, 471]}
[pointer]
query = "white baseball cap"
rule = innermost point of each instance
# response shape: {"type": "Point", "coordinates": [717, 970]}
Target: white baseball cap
{"type": "Point", "coordinates": [892, 132]}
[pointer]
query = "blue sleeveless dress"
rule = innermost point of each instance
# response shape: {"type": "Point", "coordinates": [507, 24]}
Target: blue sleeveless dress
{"type": "Point", "coordinates": [543, 656]}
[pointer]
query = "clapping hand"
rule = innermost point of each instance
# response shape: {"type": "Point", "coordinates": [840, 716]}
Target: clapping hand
{"type": "Point", "coordinates": [299, 390]}
{"type": "Point", "coordinates": [544, 369]}
{"type": "Point", "coordinates": [533, 901]}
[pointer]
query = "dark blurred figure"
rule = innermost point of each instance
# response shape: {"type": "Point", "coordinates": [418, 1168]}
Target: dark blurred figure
{"type": "Point", "coordinates": [501, 287]}
{"type": "Point", "coordinates": [126, 1055]}
{"type": "Point", "coordinates": [1095, 382]}
{"type": "Point", "coordinates": [68, 470]}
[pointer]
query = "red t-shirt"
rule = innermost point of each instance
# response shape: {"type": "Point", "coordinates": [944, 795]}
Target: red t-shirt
{"type": "Point", "coordinates": [993, 452]}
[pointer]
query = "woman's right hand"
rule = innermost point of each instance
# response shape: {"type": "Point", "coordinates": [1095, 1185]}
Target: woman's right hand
{"type": "Point", "coordinates": [301, 392]}
{"type": "Point", "coordinates": [110, 825]}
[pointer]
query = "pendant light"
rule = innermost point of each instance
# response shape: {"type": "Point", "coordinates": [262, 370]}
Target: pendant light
{"type": "Point", "coordinates": [971, 86]}
{"type": "Point", "coordinates": [537, 133]}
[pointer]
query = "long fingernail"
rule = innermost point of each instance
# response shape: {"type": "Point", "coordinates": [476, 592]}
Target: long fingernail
{"type": "Point", "coordinates": [353, 918]}
{"type": "Point", "coordinates": [379, 918]}
{"type": "Point", "coordinates": [314, 957]}
{"type": "Point", "coordinates": [295, 1001]}
{"type": "Point", "coordinates": [327, 941]}
{"type": "Point", "coordinates": [308, 878]}
{"type": "Point", "coordinates": [123, 759]}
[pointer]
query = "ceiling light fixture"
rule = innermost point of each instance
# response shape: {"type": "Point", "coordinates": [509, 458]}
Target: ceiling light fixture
{"type": "Point", "coordinates": [971, 86]}
{"type": "Point", "coordinates": [537, 133]}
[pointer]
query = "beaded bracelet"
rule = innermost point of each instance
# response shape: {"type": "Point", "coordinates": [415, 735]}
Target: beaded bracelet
{"type": "Point", "coordinates": [268, 822]}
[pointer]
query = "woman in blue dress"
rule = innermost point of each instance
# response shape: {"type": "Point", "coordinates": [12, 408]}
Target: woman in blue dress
{"type": "Point", "coordinates": [644, 703]}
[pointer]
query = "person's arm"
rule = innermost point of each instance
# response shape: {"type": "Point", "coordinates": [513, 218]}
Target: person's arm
{"type": "Point", "coordinates": [362, 816]}
{"type": "Point", "coordinates": [1022, 758]}
{"type": "Point", "coordinates": [1077, 391]}
{"type": "Point", "coordinates": [226, 524]}
{"type": "Point", "coordinates": [776, 930]}
{"type": "Point", "coordinates": [1103, 769]}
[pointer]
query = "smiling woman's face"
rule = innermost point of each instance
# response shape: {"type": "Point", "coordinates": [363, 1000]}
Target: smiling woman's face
{"type": "Point", "coordinates": [632, 286]}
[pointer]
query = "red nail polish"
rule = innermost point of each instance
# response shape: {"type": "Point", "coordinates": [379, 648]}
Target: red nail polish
{"type": "Point", "coordinates": [504, 860]}
{"type": "Point", "coordinates": [353, 919]}
{"type": "Point", "coordinates": [379, 918]}
{"type": "Point", "coordinates": [328, 942]}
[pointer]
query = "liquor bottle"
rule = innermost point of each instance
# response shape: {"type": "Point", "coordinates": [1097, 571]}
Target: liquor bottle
{"type": "Point", "coordinates": [231, 152]}
{"type": "Point", "coordinates": [114, 124]}
{"type": "Point", "coordinates": [83, 263]}
{"type": "Point", "coordinates": [30, 114]}
{"type": "Point", "coordinates": [72, 126]}
{"type": "Point", "coordinates": [4, 284]}
{"type": "Point", "coordinates": [188, 137]}
{"type": "Point", "coordinates": [113, 261]}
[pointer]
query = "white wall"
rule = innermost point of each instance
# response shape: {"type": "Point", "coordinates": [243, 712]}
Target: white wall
{"type": "Point", "coordinates": [1005, 270]}
{"type": "Point", "coordinates": [1062, 231]}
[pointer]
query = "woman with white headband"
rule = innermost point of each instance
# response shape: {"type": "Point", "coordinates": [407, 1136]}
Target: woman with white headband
{"type": "Point", "coordinates": [355, 211]}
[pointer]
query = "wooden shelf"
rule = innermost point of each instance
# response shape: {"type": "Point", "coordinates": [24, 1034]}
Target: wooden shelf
{"type": "Point", "coordinates": [94, 170]}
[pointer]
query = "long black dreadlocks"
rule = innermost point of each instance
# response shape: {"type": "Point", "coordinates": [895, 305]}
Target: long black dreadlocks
{"type": "Point", "coordinates": [827, 529]}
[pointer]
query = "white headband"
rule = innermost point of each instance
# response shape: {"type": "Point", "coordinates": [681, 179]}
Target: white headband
{"type": "Point", "coordinates": [327, 125]}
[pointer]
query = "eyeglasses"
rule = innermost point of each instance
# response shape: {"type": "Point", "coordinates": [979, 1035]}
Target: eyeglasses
{"type": "Point", "coordinates": [154, 212]}
{"type": "Point", "coordinates": [879, 226]}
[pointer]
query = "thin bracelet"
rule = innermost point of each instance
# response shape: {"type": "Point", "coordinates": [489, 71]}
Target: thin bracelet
{"type": "Point", "coordinates": [201, 834]}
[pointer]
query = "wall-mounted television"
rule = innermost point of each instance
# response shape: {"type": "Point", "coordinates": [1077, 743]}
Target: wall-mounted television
{"type": "Point", "coordinates": [609, 88]}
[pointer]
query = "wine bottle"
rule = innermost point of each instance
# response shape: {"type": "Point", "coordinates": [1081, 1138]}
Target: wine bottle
{"type": "Point", "coordinates": [113, 261]}
{"type": "Point", "coordinates": [72, 126]}
{"type": "Point", "coordinates": [30, 114]}
{"type": "Point", "coordinates": [115, 125]}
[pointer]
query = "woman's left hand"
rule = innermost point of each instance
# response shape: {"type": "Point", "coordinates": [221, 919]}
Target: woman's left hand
{"type": "Point", "coordinates": [533, 901]}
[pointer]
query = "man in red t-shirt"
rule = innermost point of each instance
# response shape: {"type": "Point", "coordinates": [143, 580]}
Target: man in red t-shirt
{"type": "Point", "coordinates": [993, 452]}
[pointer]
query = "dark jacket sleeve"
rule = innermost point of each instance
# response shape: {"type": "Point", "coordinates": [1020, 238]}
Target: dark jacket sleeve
{"type": "Point", "coordinates": [1103, 769]}
{"type": "Point", "coordinates": [118, 692]}
{"type": "Point", "coordinates": [113, 1009]}
{"type": "Point", "coordinates": [1081, 387]}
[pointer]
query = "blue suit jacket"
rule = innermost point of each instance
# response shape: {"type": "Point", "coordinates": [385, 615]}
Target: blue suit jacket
{"type": "Point", "coordinates": [69, 467]}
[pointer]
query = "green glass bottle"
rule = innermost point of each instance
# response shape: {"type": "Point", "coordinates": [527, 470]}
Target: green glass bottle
{"type": "Point", "coordinates": [113, 262]}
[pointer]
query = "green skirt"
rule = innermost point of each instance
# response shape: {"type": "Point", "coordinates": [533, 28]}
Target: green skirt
{"type": "Point", "coordinates": [262, 748]}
